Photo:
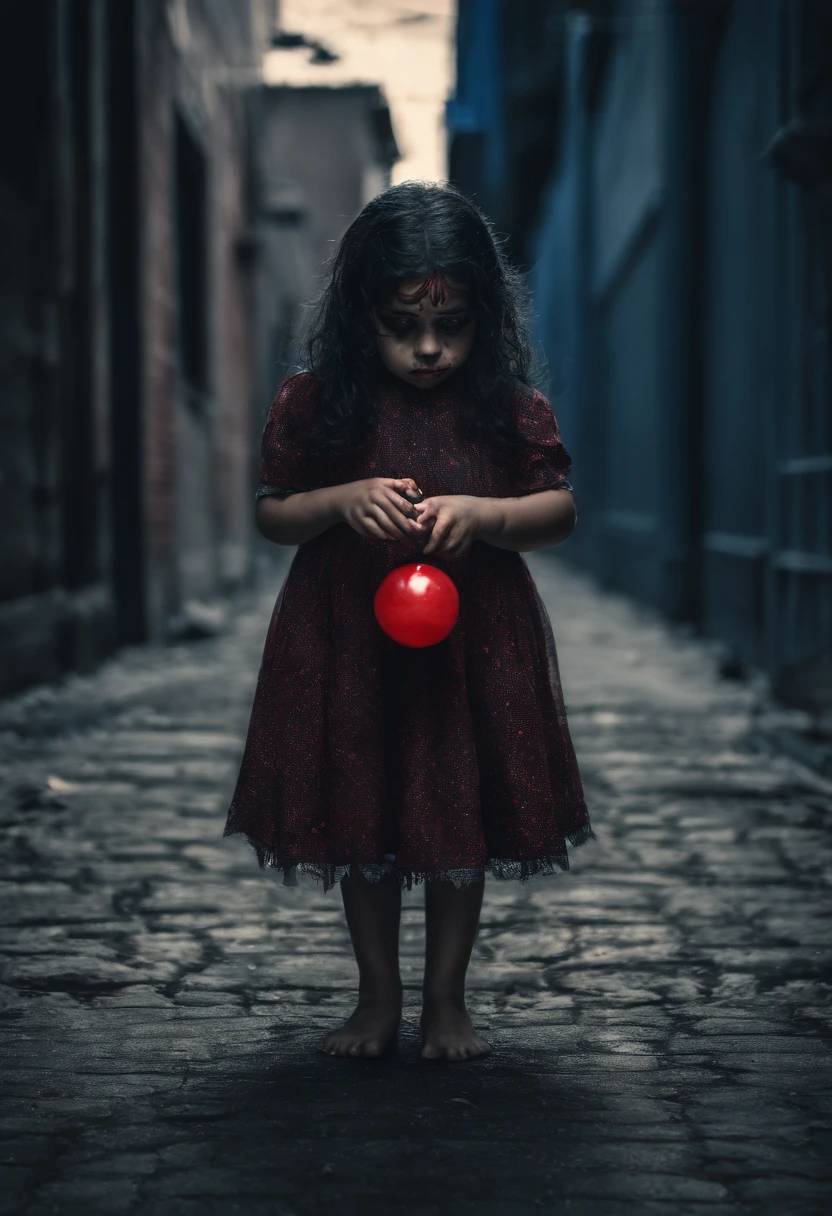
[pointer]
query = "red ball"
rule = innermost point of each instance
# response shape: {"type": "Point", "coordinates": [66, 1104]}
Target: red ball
{"type": "Point", "coordinates": [416, 605]}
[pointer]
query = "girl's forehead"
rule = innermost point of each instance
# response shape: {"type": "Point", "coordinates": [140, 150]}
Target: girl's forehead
{"type": "Point", "coordinates": [437, 289]}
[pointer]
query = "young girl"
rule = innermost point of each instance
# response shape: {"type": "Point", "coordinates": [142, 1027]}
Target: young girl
{"type": "Point", "coordinates": [413, 437]}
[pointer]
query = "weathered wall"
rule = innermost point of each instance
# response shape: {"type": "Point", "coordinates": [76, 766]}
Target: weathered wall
{"type": "Point", "coordinates": [627, 172]}
{"type": "Point", "coordinates": [681, 272]}
{"type": "Point", "coordinates": [124, 487]}
{"type": "Point", "coordinates": [707, 475]}
{"type": "Point", "coordinates": [317, 150]}
{"type": "Point", "coordinates": [158, 318]}
{"type": "Point", "coordinates": [196, 435]}
{"type": "Point", "coordinates": [318, 159]}
{"type": "Point", "coordinates": [56, 608]}
{"type": "Point", "coordinates": [742, 345]}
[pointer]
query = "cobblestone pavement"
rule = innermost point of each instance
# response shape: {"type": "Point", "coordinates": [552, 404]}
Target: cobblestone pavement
{"type": "Point", "coordinates": [660, 1015]}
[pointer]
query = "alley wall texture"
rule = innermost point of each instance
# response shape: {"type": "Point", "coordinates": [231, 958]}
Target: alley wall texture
{"type": "Point", "coordinates": [125, 367]}
{"type": "Point", "coordinates": [673, 210]}
{"type": "Point", "coordinates": [164, 217]}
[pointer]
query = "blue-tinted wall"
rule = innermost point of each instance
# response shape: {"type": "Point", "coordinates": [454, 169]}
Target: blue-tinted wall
{"type": "Point", "coordinates": [679, 255]}
{"type": "Point", "coordinates": [475, 114]}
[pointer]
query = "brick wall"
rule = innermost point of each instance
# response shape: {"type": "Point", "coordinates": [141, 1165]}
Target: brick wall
{"type": "Point", "coordinates": [124, 491]}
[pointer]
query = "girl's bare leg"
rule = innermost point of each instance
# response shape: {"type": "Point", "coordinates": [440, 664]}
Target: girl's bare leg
{"type": "Point", "coordinates": [452, 917]}
{"type": "Point", "coordinates": [373, 911]}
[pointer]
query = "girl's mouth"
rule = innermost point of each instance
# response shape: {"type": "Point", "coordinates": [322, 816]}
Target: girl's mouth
{"type": "Point", "coordinates": [429, 371]}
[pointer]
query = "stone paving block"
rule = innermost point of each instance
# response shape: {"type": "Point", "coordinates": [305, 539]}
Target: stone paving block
{"type": "Point", "coordinates": [203, 1206]}
{"type": "Point", "coordinates": [105, 1195]}
{"type": "Point", "coordinates": [616, 1207]}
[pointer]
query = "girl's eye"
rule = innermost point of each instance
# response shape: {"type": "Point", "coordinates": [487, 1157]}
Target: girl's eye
{"type": "Point", "coordinates": [405, 325]}
{"type": "Point", "coordinates": [397, 325]}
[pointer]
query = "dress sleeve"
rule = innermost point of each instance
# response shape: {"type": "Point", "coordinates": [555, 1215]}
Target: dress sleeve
{"type": "Point", "coordinates": [285, 464]}
{"type": "Point", "coordinates": [543, 464]}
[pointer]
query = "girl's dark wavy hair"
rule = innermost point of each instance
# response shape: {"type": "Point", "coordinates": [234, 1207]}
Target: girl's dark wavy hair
{"type": "Point", "coordinates": [412, 231]}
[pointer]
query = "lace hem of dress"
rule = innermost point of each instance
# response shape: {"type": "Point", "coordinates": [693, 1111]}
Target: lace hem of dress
{"type": "Point", "coordinates": [502, 868]}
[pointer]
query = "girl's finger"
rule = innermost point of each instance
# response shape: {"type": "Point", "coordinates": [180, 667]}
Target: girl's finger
{"type": "Point", "coordinates": [402, 505]}
{"type": "Point", "coordinates": [437, 540]}
{"type": "Point", "coordinates": [389, 522]}
{"type": "Point", "coordinates": [380, 518]}
{"type": "Point", "coordinates": [372, 529]}
{"type": "Point", "coordinates": [452, 542]}
{"type": "Point", "coordinates": [404, 485]}
{"type": "Point", "coordinates": [403, 516]}
{"type": "Point", "coordinates": [403, 526]}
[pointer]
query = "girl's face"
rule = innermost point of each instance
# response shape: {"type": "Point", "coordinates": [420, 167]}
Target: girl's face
{"type": "Point", "coordinates": [424, 340]}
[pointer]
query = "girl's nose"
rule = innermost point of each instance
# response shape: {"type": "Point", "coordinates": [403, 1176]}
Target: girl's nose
{"type": "Point", "coordinates": [427, 344]}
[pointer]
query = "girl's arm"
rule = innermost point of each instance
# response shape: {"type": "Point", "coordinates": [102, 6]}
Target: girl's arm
{"type": "Point", "coordinates": [300, 517]}
{"type": "Point", "coordinates": [375, 508]}
{"type": "Point", "coordinates": [531, 522]}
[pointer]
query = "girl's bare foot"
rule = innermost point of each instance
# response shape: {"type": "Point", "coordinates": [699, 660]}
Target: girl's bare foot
{"type": "Point", "coordinates": [448, 1033]}
{"type": "Point", "coordinates": [370, 1030]}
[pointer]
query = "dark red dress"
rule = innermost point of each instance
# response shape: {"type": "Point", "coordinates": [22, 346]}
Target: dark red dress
{"type": "Point", "coordinates": [440, 762]}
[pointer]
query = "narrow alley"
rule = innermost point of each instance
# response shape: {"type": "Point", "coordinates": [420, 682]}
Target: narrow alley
{"type": "Point", "coordinates": [660, 1016]}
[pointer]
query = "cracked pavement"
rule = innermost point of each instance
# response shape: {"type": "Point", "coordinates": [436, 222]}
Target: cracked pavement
{"type": "Point", "coordinates": [660, 1016]}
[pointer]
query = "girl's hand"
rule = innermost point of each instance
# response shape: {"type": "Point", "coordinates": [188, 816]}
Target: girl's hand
{"type": "Point", "coordinates": [454, 521]}
{"type": "Point", "coordinates": [377, 509]}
